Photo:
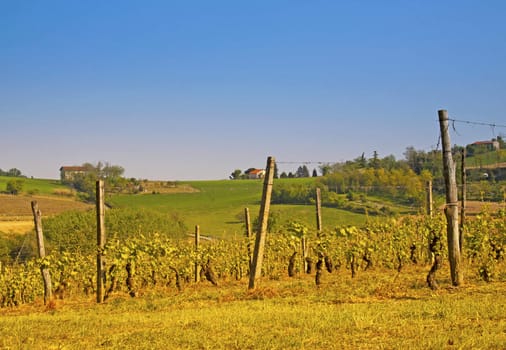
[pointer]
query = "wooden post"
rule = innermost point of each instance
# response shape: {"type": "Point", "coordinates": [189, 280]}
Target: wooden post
{"type": "Point", "coordinates": [258, 253]}
{"type": "Point", "coordinates": [318, 210]}
{"type": "Point", "coordinates": [37, 218]}
{"type": "Point", "coordinates": [100, 239]}
{"type": "Point", "coordinates": [463, 199]}
{"type": "Point", "coordinates": [303, 243]}
{"type": "Point", "coordinates": [247, 221]}
{"type": "Point", "coordinates": [429, 198]}
{"type": "Point", "coordinates": [451, 209]}
{"type": "Point", "coordinates": [197, 242]}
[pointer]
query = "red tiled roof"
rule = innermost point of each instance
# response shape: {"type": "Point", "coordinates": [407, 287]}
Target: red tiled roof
{"type": "Point", "coordinates": [72, 168]}
{"type": "Point", "coordinates": [483, 142]}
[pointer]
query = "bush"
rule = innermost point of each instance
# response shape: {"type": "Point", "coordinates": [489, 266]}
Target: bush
{"type": "Point", "coordinates": [76, 231]}
{"type": "Point", "coordinates": [15, 186]}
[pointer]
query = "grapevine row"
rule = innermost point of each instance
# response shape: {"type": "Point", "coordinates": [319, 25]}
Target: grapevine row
{"type": "Point", "coordinates": [141, 263]}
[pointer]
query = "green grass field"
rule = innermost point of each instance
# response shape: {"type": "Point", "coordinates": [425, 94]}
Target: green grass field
{"type": "Point", "coordinates": [487, 158]}
{"type": "Point", "coordinates": [218, 207]}
{"type": "Point", "coordinates": [36, 186]}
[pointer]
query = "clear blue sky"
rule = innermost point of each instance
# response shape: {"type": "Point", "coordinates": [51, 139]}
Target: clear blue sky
{"type": "Point", "coordinates": [177, 90]}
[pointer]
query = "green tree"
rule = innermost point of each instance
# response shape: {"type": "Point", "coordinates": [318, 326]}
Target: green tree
{"type": "Point", "coordinates": [236, 174]}
{"type": "Point", "coordinates": [302, 171]}
{"type": "Point", "coordinates": [15, 186]}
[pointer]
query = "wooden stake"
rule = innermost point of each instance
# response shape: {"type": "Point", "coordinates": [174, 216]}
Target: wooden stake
{"type": "Point", "coordinates": [197, 242]}
{"type": "Point", "coordinates": [247, 221]}
{"type": "Point", "coordinates": [463, 199]}
{"type": "Point", "coordinates": [451, 210]}
{"type": "Point", "coordinates": [318, 210]}
{"type": "Point", "coordinates": [46, 276]}
{"type": "Point", "coordinates": [258, 254]}
{"type": "Point", "coordinates": [429, 198]}
{"type": "Point", "coordinates": [100, 240]}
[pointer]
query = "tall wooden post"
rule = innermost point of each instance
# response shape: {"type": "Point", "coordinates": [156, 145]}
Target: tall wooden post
{"type": "Point", "coordinates": [100, 239]}
{"type": "Point", "coordinates": [429, 198]}
{"type": "Point", "coordinates": [451, 209]}
{"type": "Point", "coordinates": [46, 276]}
{"type": "Point", "coordinates": [197, 243]}
{"type": "Point", "coordinates": [318, 210]}
{"type": "Point", "coordinates": [258, 253]}
{"type": "Point", "coordinates": [247, 221]}
{"type": "Point", "coordinates": [463, 198]}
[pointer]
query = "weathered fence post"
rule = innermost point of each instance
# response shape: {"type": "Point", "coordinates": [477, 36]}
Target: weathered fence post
{"type": "Point", "coordinates": [197, 242]}
{"type": "Point", "coordinates": [46, 276]}
{"type": "Point", "coordinates": [247, 222]}
{"type": "Point", "coordinates": [304, 247]}
{"type": "Point", "coordinates": [451, 209]}
{"type": "Point", "coordinates": [429, 198]}
{"type": "Point", "coordinates": [258, 253]}
{"type": "Point", "coordinates": [100, 239]}
{"type": "Point", "coordinates": [463, 199]}
{"type": "Point", "coordinates": [318, 210]}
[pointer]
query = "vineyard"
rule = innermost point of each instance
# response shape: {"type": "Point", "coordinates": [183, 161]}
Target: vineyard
{"type": "Point", "coordinates": [142, 262]}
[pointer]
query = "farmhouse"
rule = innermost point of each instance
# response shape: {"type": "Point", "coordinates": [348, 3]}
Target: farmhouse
{"type": "Point", "coordinates": [70, 172]}
{"type": "Point", "coordinates": [253, 173]}
{"type": "Point", "coordinates": [487, 145]}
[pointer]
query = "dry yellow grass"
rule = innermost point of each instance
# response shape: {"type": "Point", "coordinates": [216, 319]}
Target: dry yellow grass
{"type": "Point", "coordinates": [373, 311]}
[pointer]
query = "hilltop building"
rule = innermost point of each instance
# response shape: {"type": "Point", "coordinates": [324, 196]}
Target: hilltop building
{"type": "Point", "coordinates": [68, 173]}
{"type": "Point", "coordinates": [253, 173]}
{"type": "Point", "coordinates": [493, 145]}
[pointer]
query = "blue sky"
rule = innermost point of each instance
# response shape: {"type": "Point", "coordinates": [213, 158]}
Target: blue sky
{"type": "Point", "coordinates": [178, 90]}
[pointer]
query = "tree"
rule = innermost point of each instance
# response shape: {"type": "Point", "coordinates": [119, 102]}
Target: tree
{"type": "Point", "coordinates": [374, 162]}
{"type": "Point", "coordinates": [14, 172]}
{"type": "Point", "coordinates": [111, 174]}
{"type": "Point", "coordinates": [236, 174]}
{"type": "Point", "coordinates": [502, 143]}
{"type": "Point", "coordinates": [315, 174]}
{"type": "Point", "coordinates": [302, 171]}
{"type": "Point", "coordinates": [15, 186]}
{"type": "Point", "coordinates": [325, 169]}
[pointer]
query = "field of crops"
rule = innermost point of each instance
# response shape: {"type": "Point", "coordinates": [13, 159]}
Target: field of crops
{"type": "Point", "coordinates": [371, 292]}
{"type": "Point", "coordinates": [362, 285]}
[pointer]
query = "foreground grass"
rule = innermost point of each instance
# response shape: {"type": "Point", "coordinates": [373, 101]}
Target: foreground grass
{"type": "Point", "coordinates": [376, 310]}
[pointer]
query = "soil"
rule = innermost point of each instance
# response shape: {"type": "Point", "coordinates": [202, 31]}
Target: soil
{"type": "Point", "coordinates": [16, 211]}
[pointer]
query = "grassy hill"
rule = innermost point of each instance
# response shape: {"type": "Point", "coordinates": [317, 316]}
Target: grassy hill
{"type": "Point", "coordinates": [218, 206]}
{"type": "Point", "coordinates": [485, 159]}
{"type": "Point", "coordinates": [44, 187]}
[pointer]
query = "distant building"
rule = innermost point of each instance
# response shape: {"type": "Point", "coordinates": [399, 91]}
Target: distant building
{"type": "Point", "coordinates": [487, 145]}
{"type": "Point", "coordinates": [253, 173]}
{"type": "Point", "coordinates": [68, 173]}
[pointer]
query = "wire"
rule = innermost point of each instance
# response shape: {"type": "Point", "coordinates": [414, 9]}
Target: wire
{"type": "Point", "coordinates": [492, 125]}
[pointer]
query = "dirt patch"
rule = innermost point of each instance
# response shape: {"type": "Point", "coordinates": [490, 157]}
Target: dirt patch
{"type": "Point", "coordinates": [476, 207]}
{"type": "Point", "coordinates": [166, 187]}
{"type": "Point", "coordinates": [20, 206]}
{"type": "Point", "coordinates": [16, 211]}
